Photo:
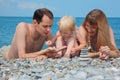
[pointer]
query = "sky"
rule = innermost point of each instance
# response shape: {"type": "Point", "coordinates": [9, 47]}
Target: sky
{"type": "Point", "coordinates": [76, 8]}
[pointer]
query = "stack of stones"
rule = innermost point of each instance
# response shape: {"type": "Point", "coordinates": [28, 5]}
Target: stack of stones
{"type": "Point", "coordinates": [84, 57]}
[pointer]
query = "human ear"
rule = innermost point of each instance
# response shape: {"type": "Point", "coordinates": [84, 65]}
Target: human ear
{"type": "Point", "coordinates": [34, 22]}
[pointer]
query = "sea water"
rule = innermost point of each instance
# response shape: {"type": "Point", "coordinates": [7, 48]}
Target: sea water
{"type": "Point", "coordinates": [8, 26]}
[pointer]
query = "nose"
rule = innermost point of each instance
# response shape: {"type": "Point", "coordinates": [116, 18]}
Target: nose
{"type": "Point", "coordinates": [48, 29]}
{"type": "Point", "coordinates": [89, 29]}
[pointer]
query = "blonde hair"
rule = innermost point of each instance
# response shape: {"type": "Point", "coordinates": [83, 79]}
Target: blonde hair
{"type": "Point", "coordinates": [97, 18]}
{"type": "Point", "coordinates": [66, 23]}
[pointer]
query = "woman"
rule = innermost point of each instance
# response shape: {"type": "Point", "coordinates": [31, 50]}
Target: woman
{"type": "Point", "coordinates": [96, 32]}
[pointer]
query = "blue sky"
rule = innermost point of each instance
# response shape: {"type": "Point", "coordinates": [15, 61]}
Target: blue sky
{"type": "Point", "coordinates": [76, 8]}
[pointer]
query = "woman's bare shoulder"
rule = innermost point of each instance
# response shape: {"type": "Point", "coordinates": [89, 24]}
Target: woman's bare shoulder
{"type": "Point", "coordinates": [81, 30]}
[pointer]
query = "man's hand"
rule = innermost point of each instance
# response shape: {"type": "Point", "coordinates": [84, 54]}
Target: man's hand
{"type": "Point", "coordinates": [40, 58]}
{"type": "Point", "coordinates": [55, 50]}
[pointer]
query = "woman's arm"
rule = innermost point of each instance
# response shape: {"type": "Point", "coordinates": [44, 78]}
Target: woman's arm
{"type": "Point", "coordinates": [81, 36]}
{"type": "Point", "coordinates": [112, 37]}
{"type": "Point", "coordinates": [93, 55]}
{"type": "Point", "coordinates": [106, 52]}
{"type": "Point", "coordinates": [114, 53]}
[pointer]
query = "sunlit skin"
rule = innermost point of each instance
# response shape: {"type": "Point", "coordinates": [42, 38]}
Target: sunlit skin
{"type": "Point", "coordinates": [66, 38]}
{"type": "Point", "coordinates": [104, 50]}
{"type": "Point", "coordinates": [44, 26]}
{"type": "Point", "coordinates": [96, 31]}
{"type": "Point", "coordinates": [29, 39]}
{"type": "Point", "coordinates": [66, 34]}
{"type": "Point", "coordinates": [92, 30]}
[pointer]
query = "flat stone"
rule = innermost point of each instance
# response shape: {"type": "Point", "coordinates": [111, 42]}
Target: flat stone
{"type": "Point", "coordinates": [84, 59]}
{"type": "Point", "coordinates": [84, 56]}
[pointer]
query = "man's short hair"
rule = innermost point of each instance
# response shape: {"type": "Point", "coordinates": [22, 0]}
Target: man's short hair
{"type": "Point", "coordinates": [39, 13]}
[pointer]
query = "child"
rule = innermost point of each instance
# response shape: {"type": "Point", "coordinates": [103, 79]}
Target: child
{"type": "Point", "coordinates": [66, 36]}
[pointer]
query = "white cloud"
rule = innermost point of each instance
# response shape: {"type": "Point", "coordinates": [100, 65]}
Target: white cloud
{"type": "Point", "coordinates": [1, 1]}
{"type": "Point", "coordinates": [30, 5]}
{"type": "Point", "coordinates": [13, 0]}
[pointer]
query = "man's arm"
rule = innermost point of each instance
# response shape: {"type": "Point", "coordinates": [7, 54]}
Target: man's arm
{"type": "Point", "coordinates": [21, 44]}
{"type": "Point", "coordinates": [21, 32]}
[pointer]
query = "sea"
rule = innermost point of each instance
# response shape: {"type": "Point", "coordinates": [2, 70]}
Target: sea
{"type": "Point", "coordinates": [8, 26]}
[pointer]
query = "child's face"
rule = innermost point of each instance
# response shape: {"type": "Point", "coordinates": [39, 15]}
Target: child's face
{"type": "Point", "coordinates": [66, 34]}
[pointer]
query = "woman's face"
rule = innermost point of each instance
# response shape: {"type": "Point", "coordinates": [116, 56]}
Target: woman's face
{"type": "Point", "coordinates": [91, 29]}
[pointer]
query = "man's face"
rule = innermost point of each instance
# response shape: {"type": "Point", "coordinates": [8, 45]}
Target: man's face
{"type": "Point", "coordinates": [44, 27]}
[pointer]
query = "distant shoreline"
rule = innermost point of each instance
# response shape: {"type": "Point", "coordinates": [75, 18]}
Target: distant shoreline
{"type": "Point", "coordinates": [54, 16]}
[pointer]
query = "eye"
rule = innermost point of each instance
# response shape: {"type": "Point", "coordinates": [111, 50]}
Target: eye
{"type": "Point", "coordinates": [87, 26]}
{"type": "Point", "coordinates": [94, 27]}
{"type": "Point", "coordinates": [44, 26]}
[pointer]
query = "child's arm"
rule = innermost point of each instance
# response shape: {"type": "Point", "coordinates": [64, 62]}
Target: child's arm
{"type": "Point", "coordinates": [52, 41]}
{"type": "Point", "coordinates": [71, 43]}
{"type": "Point", "coordinates": [59, 45]}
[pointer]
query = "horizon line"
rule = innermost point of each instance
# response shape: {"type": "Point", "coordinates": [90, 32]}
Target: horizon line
{"type": "Point", "coordinates": [54, 16]}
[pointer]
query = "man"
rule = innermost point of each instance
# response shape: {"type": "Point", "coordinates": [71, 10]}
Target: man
{"type": "Point", "coordinates": [29, 38]}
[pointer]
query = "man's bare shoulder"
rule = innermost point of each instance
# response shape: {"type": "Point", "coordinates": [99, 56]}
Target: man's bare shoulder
{"type": "Point", "coordinates": [22, 26]}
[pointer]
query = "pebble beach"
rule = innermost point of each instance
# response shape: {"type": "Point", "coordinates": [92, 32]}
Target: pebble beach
{"type": "Point", "coordinates": [59, 69]}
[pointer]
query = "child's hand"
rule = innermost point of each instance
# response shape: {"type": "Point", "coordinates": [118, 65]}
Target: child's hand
{"type": "Point", "coordinates": [55, 50]}
{"type": "Point", "coordinates": [57, 55]}
{"type": "Point", "coordinates": [73, 51]}
{"type": "Point", "coordinates": [66, 56]}
{"type": "Point", "coordinates": [49, 43]}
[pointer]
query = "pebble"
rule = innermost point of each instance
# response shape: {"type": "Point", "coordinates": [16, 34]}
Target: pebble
{"type": "Point", "coordinates": [59, 69]}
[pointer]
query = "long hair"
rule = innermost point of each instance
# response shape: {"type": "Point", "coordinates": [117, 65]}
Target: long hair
{"type": "Point", "coordinates": [98, 18]}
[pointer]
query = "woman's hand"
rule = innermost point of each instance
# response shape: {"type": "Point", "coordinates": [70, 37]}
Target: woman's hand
{"type": "Point", "coordinates": [104, 52]}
